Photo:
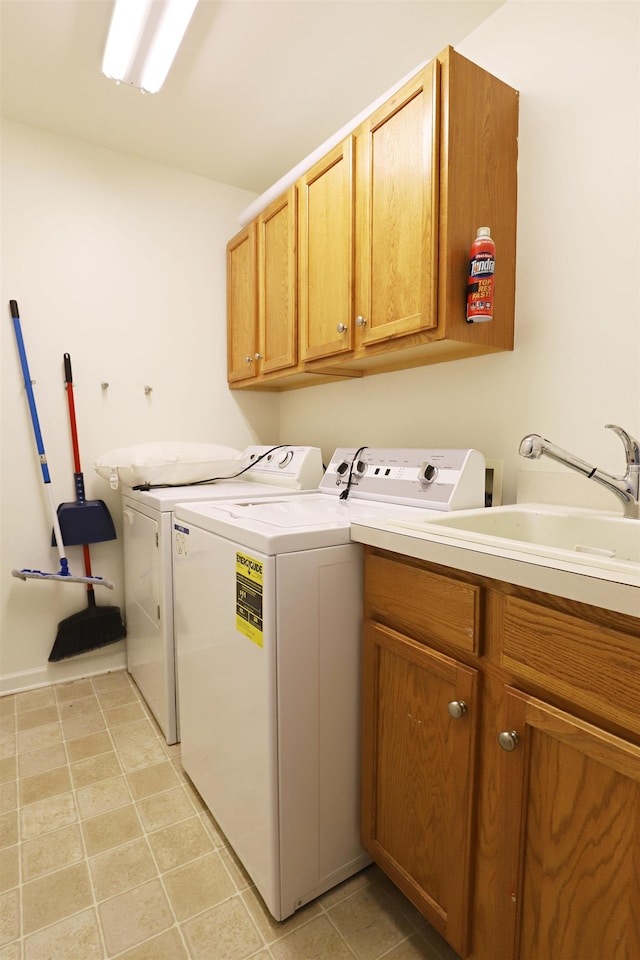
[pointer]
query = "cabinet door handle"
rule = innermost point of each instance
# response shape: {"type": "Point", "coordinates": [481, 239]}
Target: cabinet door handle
{"type": "Point", "coordinates": [508, 740]}
{"type": "Point", "coordinates": [248, 359]}
{"type": "Point", "coordinates": [457, 709]}
{"type": "Point", "coordinates": [341, 328]}
{"type": "Point", "coordinates": [361, 321]}
{"type": "Point", "coordinates": [258, 356]}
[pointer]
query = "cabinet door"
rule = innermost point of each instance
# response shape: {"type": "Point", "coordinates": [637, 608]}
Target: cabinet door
{"type": "Point", "coordinates": [418, 775]}
{"type": "Point", "coordinates": [277, 299]}
{"type": "Point", "coordinates": [242, 305]}
{"type": "Point", "coordinates": [397, 212]}
{"type": "Point", "coordinates": [325, 255]}
{"type": "Point", "coordinates": [569, 867]}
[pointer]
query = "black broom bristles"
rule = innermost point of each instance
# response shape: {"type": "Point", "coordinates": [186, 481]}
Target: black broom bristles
{"type": "Point", "coordinates": [88, 630]}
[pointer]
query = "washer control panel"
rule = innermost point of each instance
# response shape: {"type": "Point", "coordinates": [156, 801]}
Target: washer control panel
{"type": "Point", "coordinates": [439, 479]}
{"type": "Point", "coordinates": [298, 468]}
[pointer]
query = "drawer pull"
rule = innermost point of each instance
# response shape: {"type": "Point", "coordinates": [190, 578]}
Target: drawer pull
{"type": "Point", "coordinates": [341, 328]}
{"type": "Point", "coordinates": [457, 709]}
{"type": "Point", "coordinates": [508, 740]}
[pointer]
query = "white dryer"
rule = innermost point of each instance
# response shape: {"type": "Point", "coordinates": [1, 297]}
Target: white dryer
{"type": "Point", "coordinates": [148, 565]}
{"type": "Point", "coordinates": [268, 615]}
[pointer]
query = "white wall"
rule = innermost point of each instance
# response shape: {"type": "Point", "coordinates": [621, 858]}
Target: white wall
{"type": "Point", "coordinates": [120, 263]}
{"type": "Point", "coordinates": [576, 364]}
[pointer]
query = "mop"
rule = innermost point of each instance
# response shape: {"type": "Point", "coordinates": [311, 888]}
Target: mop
{"type": "Point", "coordinates": [64, 574]}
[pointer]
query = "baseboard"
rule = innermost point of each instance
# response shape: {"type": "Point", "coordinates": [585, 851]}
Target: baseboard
{"type": "Point", "coordinates": [75, 668]}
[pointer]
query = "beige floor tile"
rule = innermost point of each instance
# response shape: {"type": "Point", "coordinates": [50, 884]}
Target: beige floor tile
{"type": "Point", "coordinates": [140, 731]}
{"type": "Point", "coordinates": [9, 868]}
{"type": "Point", "coordinates": [272, 929]}
{"type": "Point", "coordinates": [8, 769]}
{"type": "Point", "coordinates": [8, 796]}
{"type": "Point", "coordinates": [55, 896]}
{"type": "Point", "coordinates": [316, 940]}
{"type": "Point", "coordinates": [82, 726]}
{"type": "Point", "coordinates": [154, 779]}
{"type": "Point", "coordinates": [198, 885]}
{"type": "Point", "coordinates": [37, 718]}
{"type": "Point", "coordinates": [237, 871]}
{"type": "Point", "coordinates": [104, 766]}
{"type": "Point", "coordinates": [44, 785]}
{"type": "Point", "coordinates": [8, 744]}
{"type": "Point", "coordinates": [369, 921]}
{"type": "Point", "coordinates": [51, 852]}
{"type": "Point", "coordinates": [135, 916]}
{"type": "Point", "coordinates": [350, 886]}
{"type": "Point", "coordinates": [121, 869]}
{"type": "Point", "coordinates": [73, 690]}
{"type": "Point", "coordinates": [145, 753]}
{"type": "Point", "coordinates": [101, 797]}
{"type": "Point", "coordinates": [111, 830]}
{"type": "Point", "coordinates": [34, 699]}
{"type": "Point", "coordinates": [39, 737]}
{"type": "Point", "coordinates": [127, 713]}
{"type": "Point", "coordinates": [9, 915]}
{"type": "Point", "coordinates": [229, 927]}
{"type": "Point", "coordinates": [415, 948]}
{"type": "Point", "coordinates": [116, 697]}
{"type": "Point", "coordinates": [8, 723]}
{"type": "Point", "coordinates": [47, 815]}
{"type": "Point", "coordinates": [90, 746]}
{"type": "Point", "coordinates": [39, 761]}
{"type": "Point", "coordinates": [71, 939]}
{"type": "Point", "coordinates": [11, 951]}
{"type": "Point", "coordinates": [77, 709]}
{"type": "Point", "coordinates": [179, 843]}
{"type": "Point", "coordinates": [168, 946]}
{"type": "Point", "coordinates": [8, 705]}
{"type": "Point", "coordinates": [164, 808]}
{"type": "Point", "coordinates": [9, 829]}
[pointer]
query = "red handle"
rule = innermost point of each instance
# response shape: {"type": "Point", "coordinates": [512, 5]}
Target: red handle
{"type": "Point", "coordinates": [72, 413]}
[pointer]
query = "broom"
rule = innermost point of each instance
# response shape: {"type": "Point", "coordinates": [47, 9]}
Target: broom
{"type": "Point", "coordinates": [96, 626]}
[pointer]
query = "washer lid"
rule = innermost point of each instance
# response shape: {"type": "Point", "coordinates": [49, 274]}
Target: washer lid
{"type": "Point", "coordinates": [283, 524]}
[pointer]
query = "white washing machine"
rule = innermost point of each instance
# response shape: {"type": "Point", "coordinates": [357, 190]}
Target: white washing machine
{"type": "Point", "coordinates": [268, 615]}
{"type": "Point", "coordinates": [148, 570]}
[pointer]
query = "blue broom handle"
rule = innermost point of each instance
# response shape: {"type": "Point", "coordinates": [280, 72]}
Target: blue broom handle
{"type": "Point", "coordinates": [27, 384]}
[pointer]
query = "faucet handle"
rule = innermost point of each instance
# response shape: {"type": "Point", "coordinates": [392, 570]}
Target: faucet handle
{"type": "Point", "coordinates": [631, 446]}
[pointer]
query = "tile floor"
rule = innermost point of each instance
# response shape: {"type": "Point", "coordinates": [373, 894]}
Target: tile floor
{"type": "Point", "coordinates": [106, 850]}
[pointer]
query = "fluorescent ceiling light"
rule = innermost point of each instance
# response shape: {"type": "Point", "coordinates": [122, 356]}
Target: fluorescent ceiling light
{"type": "Point", "coordinates": [143, 40]}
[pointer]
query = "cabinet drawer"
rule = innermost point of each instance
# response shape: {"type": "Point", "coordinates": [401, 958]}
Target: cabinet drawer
{"type": "Point", "coordinates": [584, 662]}
{"type": "Point", "coordinates": [428, 607]}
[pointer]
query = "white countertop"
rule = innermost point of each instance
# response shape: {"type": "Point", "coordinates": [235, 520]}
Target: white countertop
{"type": "Point", "coordinates": [574, 581]}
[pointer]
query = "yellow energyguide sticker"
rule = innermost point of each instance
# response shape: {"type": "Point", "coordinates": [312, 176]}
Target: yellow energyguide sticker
{"type": "Point", "coordinates": [249, 596]}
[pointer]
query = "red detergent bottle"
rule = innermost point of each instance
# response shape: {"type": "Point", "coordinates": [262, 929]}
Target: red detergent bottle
{"type": "Point", "coordinates": [480, 283]}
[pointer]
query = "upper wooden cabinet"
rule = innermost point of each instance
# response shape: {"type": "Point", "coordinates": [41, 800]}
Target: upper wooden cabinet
{"type": "Point", "coordinates": [242, 305]}
{"type": "Point", "coordinates": [384, 228]}
{"type": "Point", "coordinates": [277, 272]}
{"type": "Point", "coordinates": [397, 200]}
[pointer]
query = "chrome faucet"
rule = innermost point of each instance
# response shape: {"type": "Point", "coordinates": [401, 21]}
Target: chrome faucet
{"type": "Point", "coordinates": [627, 488]}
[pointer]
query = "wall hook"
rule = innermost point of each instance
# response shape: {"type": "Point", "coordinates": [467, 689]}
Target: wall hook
{"type": "Point", "coordinates": [147, 391]}
{"type": "Point", "coordinates": [104, 385]}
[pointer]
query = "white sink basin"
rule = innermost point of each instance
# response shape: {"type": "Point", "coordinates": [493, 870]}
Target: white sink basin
{"type": "Point", "coordinates": [567, 533]}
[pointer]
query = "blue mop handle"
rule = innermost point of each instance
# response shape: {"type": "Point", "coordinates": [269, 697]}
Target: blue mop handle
{"type": "Point", "coordinates": [15, 315]}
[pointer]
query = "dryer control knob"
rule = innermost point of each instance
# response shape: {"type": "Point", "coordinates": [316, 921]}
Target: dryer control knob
{"type": "Point", "coordinates": [286, 459]}
{"type": "Point", "coordinates": [427, 473]}
{"type": "Point", "coordinates": [359, 468]}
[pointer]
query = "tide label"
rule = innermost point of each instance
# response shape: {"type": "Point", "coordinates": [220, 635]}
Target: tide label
{"type": "Point", "coordinates": [249, 597]}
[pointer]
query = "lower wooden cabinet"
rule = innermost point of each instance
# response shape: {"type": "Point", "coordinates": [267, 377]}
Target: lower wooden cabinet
{"type": "Point", "coordinates": [569, 883]}
{"type": "Point", "coordinates": [418, 774]}
{"type": "Point", "coordinates": [501, 779]}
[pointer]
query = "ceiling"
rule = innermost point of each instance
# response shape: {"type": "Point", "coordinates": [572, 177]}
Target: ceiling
{"type": "Point", "coordinates": [256, 86]}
